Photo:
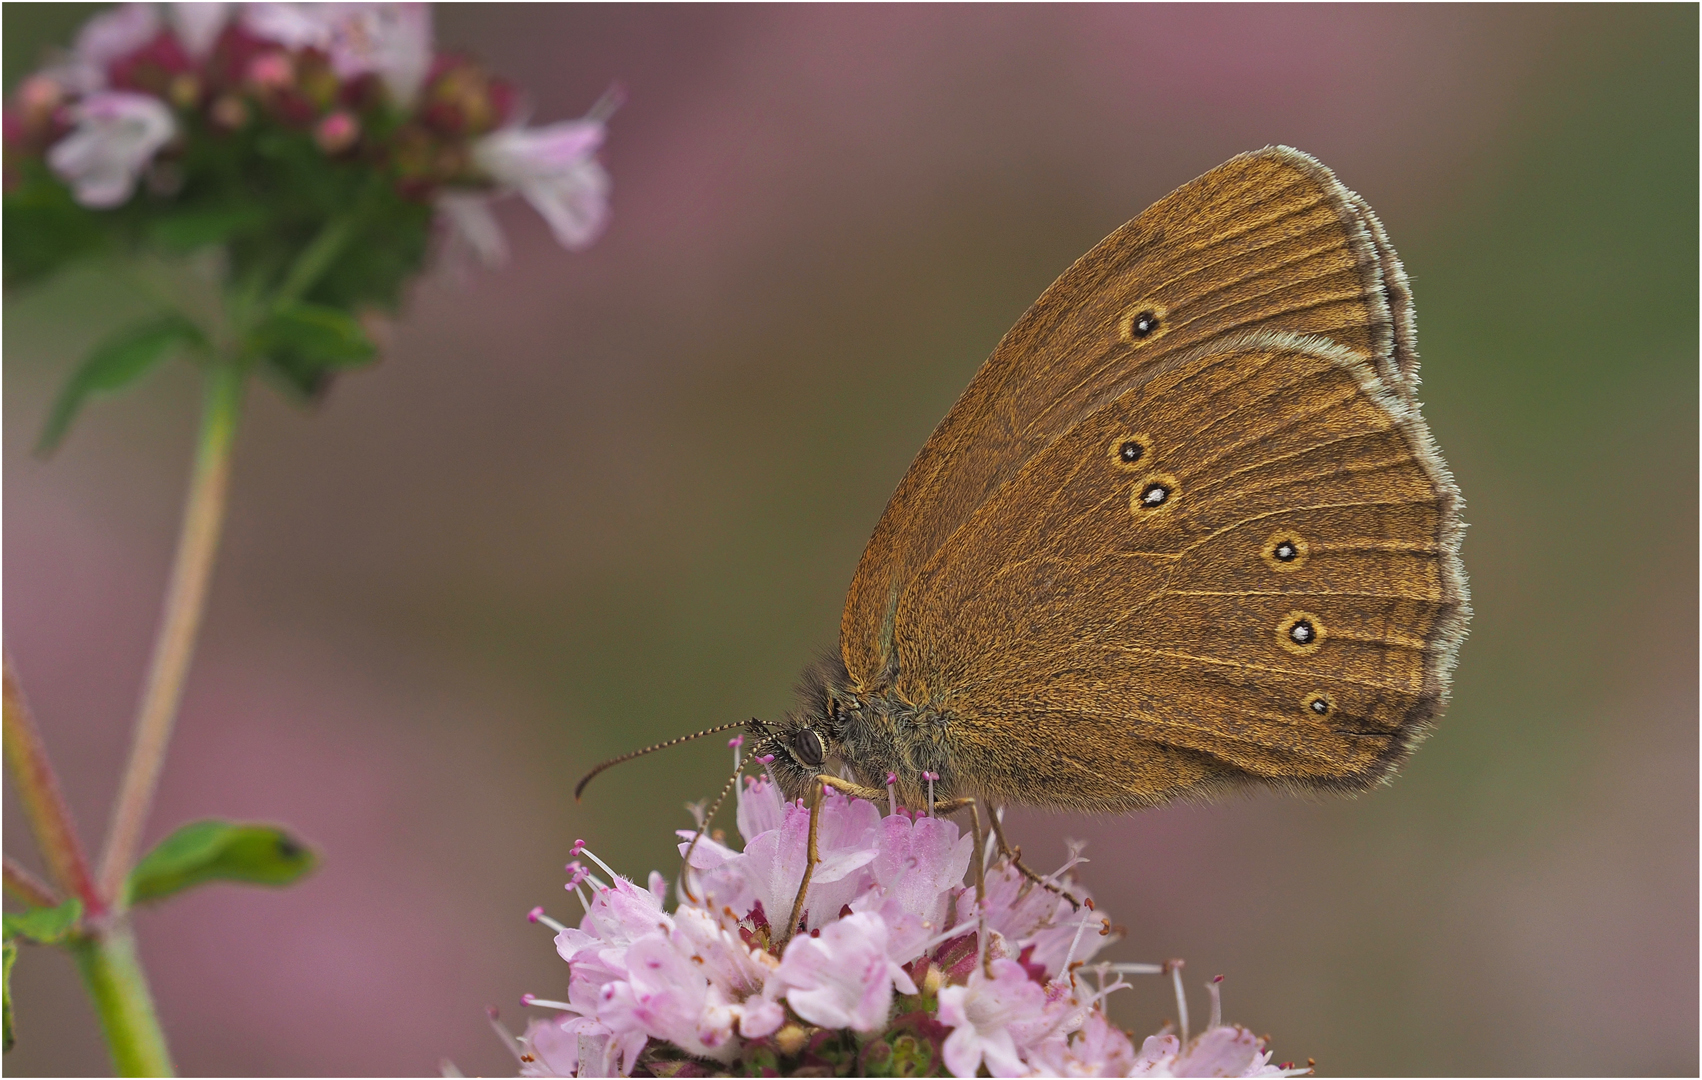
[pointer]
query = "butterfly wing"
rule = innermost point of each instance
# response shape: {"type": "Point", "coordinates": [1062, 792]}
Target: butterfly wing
{"type": "Point", "coordinates": [1268, 240]}
{"type": "Point", "coordinates": [1272, 590]}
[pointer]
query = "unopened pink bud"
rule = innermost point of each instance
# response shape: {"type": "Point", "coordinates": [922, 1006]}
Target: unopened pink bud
{"type": "Point", "coordinates": [337, 132]}
{"type": "Point", "coordinates": [40, 94]}
{"type": "Point", "coordinates": [532, 916]}
{"type": "Point", "coordinates": [229, 112]}
{"type": "Point", "coordinates": [271, 71]}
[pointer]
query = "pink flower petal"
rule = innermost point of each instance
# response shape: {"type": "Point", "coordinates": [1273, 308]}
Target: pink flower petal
{"type": "Point", "coordinates": [1157, 1052]}
{"type": "Point", "coordinates": [843, 977]}
{"type": "Point", "coordinates": [983, 1013]}
{"type": "Point", "coordinates": [1230, 1050]}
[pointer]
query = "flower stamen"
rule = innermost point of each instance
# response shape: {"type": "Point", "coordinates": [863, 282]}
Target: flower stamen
{"type": "Point", "coordinates": [536, 915]}
{"type": "Point", "coordinates": [504, 1034]}
{"type": "Point", "coordinates": [579, 848]}
{"type": "Point", "coordinates": [1135, 969]}
{"type": "Point", "coordinates": [737, 742]}
{"type": "Point", "coordinates": [1175, 969]}
{"type": "Point", "coordinates": [1086, 916]}
{"type": "Point", "coordinates": [955, 932]}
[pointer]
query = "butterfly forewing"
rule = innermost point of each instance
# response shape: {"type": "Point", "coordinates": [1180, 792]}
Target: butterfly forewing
{"type": "Point", "coordinates": [1269, 240]}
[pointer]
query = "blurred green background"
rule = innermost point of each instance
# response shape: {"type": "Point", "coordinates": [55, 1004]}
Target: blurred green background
{"type": "Point", "coordinates": [591, 501]}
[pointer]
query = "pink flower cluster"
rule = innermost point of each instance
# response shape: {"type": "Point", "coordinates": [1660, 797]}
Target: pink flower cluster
{"type": "Point", "coordinates": [892, 947]}
{"type": "Point", "coordinates": [364, 79]}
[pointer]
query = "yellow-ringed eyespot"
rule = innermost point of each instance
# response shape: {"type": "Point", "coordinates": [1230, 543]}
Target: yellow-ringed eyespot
{"type": "Point", "coordinates": [1300, 632]}
{"type": "Point", "coordinates": [1130, 450]}
{"type": "Point", "coordinates": [1285, 551]}
{"type": "Point", "coordinates": [1143, 322]}
{"type": "Point", "coordinates": [1153, 493]}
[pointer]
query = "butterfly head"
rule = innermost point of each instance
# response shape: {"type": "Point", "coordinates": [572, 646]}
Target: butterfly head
{"type": "Point", "coordinates": [796, 750]}
{"type": "Point", "coordinates": [826, 733]}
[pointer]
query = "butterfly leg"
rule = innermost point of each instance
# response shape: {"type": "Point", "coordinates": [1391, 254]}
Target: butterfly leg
{"type": "Point", "coordinates": [979, 858]}
{"type": "Point", "coordinates": [858, 791]}
{"type": "Point", "coordinates": [878, 795]}
{"type": "Point", "coordinates": [811, 857]}
{"type": "Point", "coordinates": [1014, 854]}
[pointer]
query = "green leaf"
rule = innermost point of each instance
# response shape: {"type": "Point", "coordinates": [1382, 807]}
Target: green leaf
{"type": "Point", "coordinates": [315, 334]}
{"type": "Point", "coordinates": [11, 954]}
{"type": "Point", "coordinates": [304, 344]}
{"type": "Point", "coordinates": [186, 230]}
{"type": "Point", "coordinates": [204, 851]}
{"type": "Point", "coordinates": [115, 363]}
{"type": "Point", "coordinates": [44, 925]}
{"type": "Point", "coordinates": [45, 228]}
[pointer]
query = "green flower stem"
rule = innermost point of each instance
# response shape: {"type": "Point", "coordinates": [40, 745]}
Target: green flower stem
{"type": "Point", "coordinates": [113, 975]}
{"type": "Point", "coordinates": [44, 804]}
{"type": "Point", "coordinates": [186, 596]}
{"type": "Point", "coordinates": [321, 252]}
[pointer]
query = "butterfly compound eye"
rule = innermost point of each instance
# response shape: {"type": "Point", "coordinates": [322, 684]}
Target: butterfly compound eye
{"type": "Point", "coordinates": [807, 745]}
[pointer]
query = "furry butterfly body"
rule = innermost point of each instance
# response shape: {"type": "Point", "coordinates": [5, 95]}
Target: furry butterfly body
{"type": "Point", "coordinates": [1186, 529]}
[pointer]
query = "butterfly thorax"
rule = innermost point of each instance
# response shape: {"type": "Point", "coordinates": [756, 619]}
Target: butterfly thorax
{"type": "Point", "coordinates": [870, 735]}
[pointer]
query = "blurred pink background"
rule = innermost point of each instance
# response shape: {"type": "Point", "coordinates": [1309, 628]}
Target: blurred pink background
{"type": "Point", "coordinates": [589, 501]}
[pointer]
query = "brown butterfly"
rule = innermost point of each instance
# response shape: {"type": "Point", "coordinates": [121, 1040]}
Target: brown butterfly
{"type": "Point", "coordinates": [1185, 530]}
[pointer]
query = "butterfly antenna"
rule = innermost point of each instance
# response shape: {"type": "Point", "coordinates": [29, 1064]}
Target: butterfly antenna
{"type": "Point", "coordinates": [579, 789]}
{"type": "Point", "coordinates": [703, 827]}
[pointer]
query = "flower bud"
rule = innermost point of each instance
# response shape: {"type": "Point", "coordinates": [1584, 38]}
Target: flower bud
{"type": "Point", "coordinates": [229, 112]}
{"type": "Point", "coordinates": [33, 119]}
{"type": "Point", "coordinates": [336, 132]}
{"type": "Point", "coordinates": [39, 95]}
{"type": "Point", "coordinates": [184, 91]}
{"type": "Point", "coordinates": [270, 71]}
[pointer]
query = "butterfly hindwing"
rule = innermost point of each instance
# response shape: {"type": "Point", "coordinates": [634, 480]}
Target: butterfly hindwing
{"type": "Point", "coordinates": [1154, 608]}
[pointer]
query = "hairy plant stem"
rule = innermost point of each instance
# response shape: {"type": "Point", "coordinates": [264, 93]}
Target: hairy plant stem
{"type": "Point", "coordinates": [186, 595]}
{"type": "Point", "coordinates": [106, 953]}
{"type": "Point", "coordinates": [43, 802]}
{"type": "Point", "coordinates": [106, 959]}
{"type": "Point", "coordinates": [29, 888]}
{"type": "Point", "coordinates": [103, 948]}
